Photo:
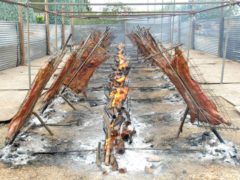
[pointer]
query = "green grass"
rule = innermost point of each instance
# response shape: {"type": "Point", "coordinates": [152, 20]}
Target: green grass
{"type": "Point", "coordinates": [78, 21]}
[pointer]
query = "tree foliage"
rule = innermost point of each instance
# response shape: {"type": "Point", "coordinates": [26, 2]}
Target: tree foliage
{"type": "Point", "coordinates": [66, 8]}
{"type": "Point", "coordinates": [9, 12]}
{"type": "Point", "coordinates": [116, 8]}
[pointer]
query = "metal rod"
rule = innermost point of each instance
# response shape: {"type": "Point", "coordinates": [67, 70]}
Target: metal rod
{"type": "Point", "coordinates": [222, 6]}
{"type": "Point", "coordinates": [162, 25]}
{"type": "Point", "coordinates": [122, 12]}
{"type": "Point", "coordinates": [173, 25]}
{"type": "Point", "coordinates": [217, 135]}
{"type": "Point", "coordinates": [120, 15]}
{"type": "Point", "coordinates": [28, 49]}
{"type": "Point", "coordinates": [129, 4]}
{"type": "Point", "coordinates": [56, 27]}
{"type": "Point", "coordinates": [84, 62]}
{"type": "Point", "coordinates": [182, 121]}
{"type": "Point", "coordinates": [43, 123]}
{"type": "Point", "coordinates": [226, 44]}
{"type": "Point", "coordinates": [70, 104]}
{"type": "Point", "coordinates": [180, 3]}
{"type": "Point", "coordinates": [220, 33]}
{"type": "Point", "coordinates": [190, 39]}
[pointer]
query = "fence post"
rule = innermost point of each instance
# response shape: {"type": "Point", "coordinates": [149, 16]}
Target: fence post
{"type": "Point", "coordinates": [193, 33]}
{"type": "Point", "coordinates": [169, 29]}
{"type": "Point", "coordinates": [179, 29]}
{"type": "Point", "coordinates": [221, 34]}
{"type": "Point", "coordinates": [72, 25]}
{"type": "Point", "coordinates": [63, 28]}
{"type": "Point", "coordinates": [21, 36]}
{"type": "Point", "coordinates": [226, 43]}
{"type": "Point", "coordinates": [47, 28]}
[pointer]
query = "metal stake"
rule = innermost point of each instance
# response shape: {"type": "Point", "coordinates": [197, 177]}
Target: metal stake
{"type": "Point", "coordinates": [226, 44]}
{"type": "Point", "coordinates": [28, 49]}
{"type": "Point", "coordinates": [190, 33]}
{"type": "Point", "coordinates": [70, 104]}
{"type": "Point", "coordinates": [182, 121]}
{"type": "Point", "coordinates": [56, 26]}
{"type": "Point", "coordinates": [162, 26]}
{"type": "Point", "coordinates": [43, 123]}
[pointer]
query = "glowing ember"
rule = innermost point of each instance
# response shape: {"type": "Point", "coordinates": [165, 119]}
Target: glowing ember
{"type": "Point", "coordinates": [107, 143]}
{"type": "Point", "coordinates": [118, 95]}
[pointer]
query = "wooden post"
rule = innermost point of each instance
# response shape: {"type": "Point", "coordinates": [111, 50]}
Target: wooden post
{"type": "Point", "coordinates": [72, 25]}
{"type": "Point", "coordinates": [63, 28]}
{"type": "Point", "coordinates": [21, 35]}
{"type": "Point", "coordinates": [47, 28]}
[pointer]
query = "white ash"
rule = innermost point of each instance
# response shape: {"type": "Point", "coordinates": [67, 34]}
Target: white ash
{"type": "Point", "coordinates": [173, 99]}
{"type": "Point", "coordinates": [213, 150]}
{"type": "Point", "coordinates": [19, 153]}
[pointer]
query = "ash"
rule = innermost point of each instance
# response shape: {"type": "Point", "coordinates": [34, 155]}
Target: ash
{"type": "Point", "coordinates": [213, 150]}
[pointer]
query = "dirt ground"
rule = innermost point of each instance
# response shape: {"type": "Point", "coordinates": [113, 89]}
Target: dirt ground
{"type": "Point", "coordinates": [156, 109]}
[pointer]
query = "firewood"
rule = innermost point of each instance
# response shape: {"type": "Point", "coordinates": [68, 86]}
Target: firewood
{"type": "Point", "coordinates": [98, 155]}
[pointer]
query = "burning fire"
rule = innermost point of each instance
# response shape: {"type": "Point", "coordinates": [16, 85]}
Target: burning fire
{"type": "Point", "coordinates": [120, 92]}
{"type": "Point", "coordinates": [123, 64]}
{"type": "Point", "coordinates": [118, 95]}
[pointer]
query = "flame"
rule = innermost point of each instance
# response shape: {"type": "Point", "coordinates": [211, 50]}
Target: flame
{"type": "Point", "coordinates": [121, 79]}
{"type": "Point", "coordinates": [118, 96]}
{"type": "Point", "coordinates": [120, 93]}
{"type": "Point", "coordinates": [120, 46]}
{"type": "Point", "coordinates": [123, 64]}
{"type": "Point", "coordinates": [107, 143]}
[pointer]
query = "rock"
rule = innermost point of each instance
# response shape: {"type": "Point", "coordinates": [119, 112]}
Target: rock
{"type": "Point", "coordinates": [148, 170]}
{"type": "Point", "coordinates": [104, 172]}
{"type": "Point", "coordinates": [184, 171]}
{"type": "Point", "coordinates": [148, 139]}
{"type": "Point", "coordinates": [153, 159]}
{"type": "Point", "coordinates": [237, 108]}
{"type": "Point", "coordinates": [172, 88]}
{"type": "Point", "coordinates": [122, 170]}
{"type": "Point", "coordinates": [13, 148]}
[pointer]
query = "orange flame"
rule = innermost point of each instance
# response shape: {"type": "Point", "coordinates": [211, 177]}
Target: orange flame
{"type": "Point", "coordinates": [107, 143]}
{"type": "Point", "coordinates": [118, 96]}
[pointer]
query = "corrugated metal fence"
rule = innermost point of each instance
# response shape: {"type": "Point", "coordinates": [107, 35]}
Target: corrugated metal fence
{"type": "Point", "coordinates": [9, 45]}
{"type": "Point", "coordinates": [205, 38]}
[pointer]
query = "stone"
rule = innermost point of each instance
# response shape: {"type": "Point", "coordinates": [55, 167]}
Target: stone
{"type": "Point", "coordinates": [122, 170]}
{"type": "Point", "coordinates": [148, 139]}
{"type": "Point", "coordinates": [237, 108]}
{"type": "Point", "coordinates": [153, 159]}
{"type": "Point", "coordinates": [148, 170]}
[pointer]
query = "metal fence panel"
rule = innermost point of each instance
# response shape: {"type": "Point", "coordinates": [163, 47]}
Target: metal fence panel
{"type": "Point", "coordinates": [206, 36]}
{"type": "Point", "coordinates": [9, 45]}
{"type": "Point", "coordinates": [38, 44]}
{"type": "Point", "coordinates": [52, 30]}
{"type": "Point", "coordinates": [185, 33]}
{"type": "Point", "coordinates": [67, 32]}
{"type": "Point", "coordinates": [82, 31]}
{"type": "Point", "coordinates": [233, 49]}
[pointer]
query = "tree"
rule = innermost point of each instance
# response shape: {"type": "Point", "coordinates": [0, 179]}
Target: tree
{"type": "Point", "coordinates": [66, 8]}
{"type": "Point", "coordinates": [8, 12]}
{"type": "Point", "coordinates": [116, 8]}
